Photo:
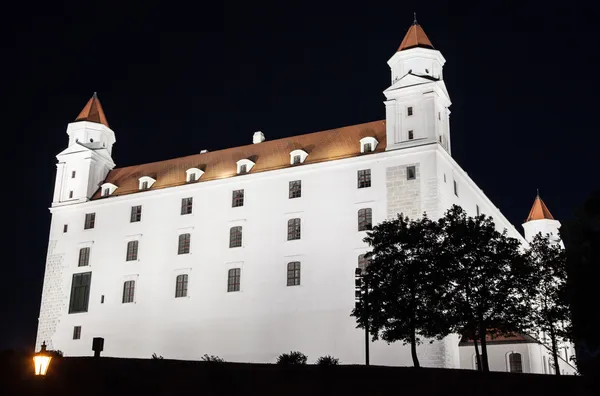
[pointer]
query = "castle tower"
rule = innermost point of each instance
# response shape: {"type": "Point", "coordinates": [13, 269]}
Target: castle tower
{"type": "Point", "coordinates": [84, 164]}
{"type": "Point", "coordinates": [540, 220]}
{"type": "Point", "coordinates": [417, 105]}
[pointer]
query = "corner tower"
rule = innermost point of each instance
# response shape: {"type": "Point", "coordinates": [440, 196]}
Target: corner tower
{"type": "Point", "coordinates": [540, 220]}
{"type": "Point", "coordinates": [417, 105]}
{"type": "Point", "coordinates": [84, 164]}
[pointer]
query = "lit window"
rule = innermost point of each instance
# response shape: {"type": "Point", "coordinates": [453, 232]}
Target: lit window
{"type": "Point", "coordinates": [363, 263]}
{"type": "Point", "coordinates": [132, 251]}
{"type": "Point", "coordinates": [297, 160]}
{"type": "Point", "coordinates": [65, 228]}
{"type": "Point", "coordinates": [235, 237]}
{"type": "Point", "coordinates": [515, 363]}
{"type": "Point", "coordinates": [136, 214]}
{"type": "Point", "coordinates": [90, 221]}
{"type": "Point", "coordinates": [365, 221]}
{"type": "Point", "coordinates": [76, 332]}
{"type": "Point", "coordinates": [181, 286]}
{"type": "Point", "coordinates": [73, 175]}
{"type": "Point", "coordinates": [293, 231]}
{"type": "Point", "coordinates": [411, 135]}
{"type": "Point", "coordinates": [184, 244]}
{"type": "Point", "coordinates": [128, 291]}
{"type": "Point", "coordinates": [410, 110]}
{"type": "Point", "coordinates": [293, 273]}
{"type": "Point", "coordinates": [70, 194]}
{"type": "Point", "coordinates": [233, 279]}
{"type": "Point", "coordinates": [411, 173]}
{"type": "Point", "coordinates": [84, 257]}
{"type": "Point", "coordinates": [455, 188]}
{"type": "Point", "coordinates": [186, 206]}
{"type": "Point", "coordinates": [368, 148]}
{"type": "Point", "coordinates": [295, 189]}
{"type": "Point", "coordinates": [364, 178]}
{"type": "Point", "coordinates": [80, 292]}
{"type": "Point", "coordinates": [237, 198]}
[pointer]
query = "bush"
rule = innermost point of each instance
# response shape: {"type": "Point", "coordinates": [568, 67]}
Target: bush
{"type": "Point", "coordinates": [155, 356]}
{"type": "Point", "coordinates": [212, 358]}
{"type": "Point", "coordinates": [327, 361]}
{"type": "Point", "coordinates": [293, 357]}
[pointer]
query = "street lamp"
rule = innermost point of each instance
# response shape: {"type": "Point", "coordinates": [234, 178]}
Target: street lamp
{"type": "Point", "coordinates": [41, 360]}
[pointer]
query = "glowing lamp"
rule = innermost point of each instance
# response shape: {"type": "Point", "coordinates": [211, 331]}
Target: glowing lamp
{"type": "Point", "coordinates": [41, 361]}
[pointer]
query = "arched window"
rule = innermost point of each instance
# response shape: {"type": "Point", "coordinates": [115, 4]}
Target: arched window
{"type": "Point", "coordinates": [363, 263]}
{"type": "Point", "coordinates": [235, 237]}
{"type": "Point", "coordinates": [181, 284]}
{"type": "Point", "coordinates": [365, 219]}
{"type": "Point", "coordinates": [514, 362]}
{"type": "Point", "coordinates": [293, 229]}
{"type": "Point", "coordinates": [184, 244]}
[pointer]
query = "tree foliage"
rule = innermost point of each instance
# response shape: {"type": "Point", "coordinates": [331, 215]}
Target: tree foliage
{"type": "Point", "coordinates": [327, 361]}
{"type": "Point", "coordinates": [294, 357]}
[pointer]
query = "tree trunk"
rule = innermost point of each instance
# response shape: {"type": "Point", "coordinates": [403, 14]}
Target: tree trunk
{"type": "Point", "coordinates": [554, 349]}
{"type": "Point", "coordinates": [413, 346]}
{"type": "Point", "coordinates": [484, 357]}
{"type": "Point", "coordinates": [477, 356]}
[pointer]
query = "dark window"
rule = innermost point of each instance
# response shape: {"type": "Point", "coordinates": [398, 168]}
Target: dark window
{"type": "Point", "coordinates": [297, 159]}
{"type": "Point", "coordinates": [128, 291]}
{"type": "Point", "coordinates": [233, 280]}
{"type": "Point", "coordinates": [440, 138]}
{"type": "Point", "coordinates": [411, 135]}
{"type": "Point", "coordinates": [181, 284]}
{"type": "Point", "coordinates": [243, 168]}
{"type": "Point", "coordinates": [136, 214]}
{"type": "Point", "coordinates": [368, 148]}
{"type": "Point", "coordinates": [295, 189]}
{"type": "Point", "coordinates": [106, 192]}
{"type": "Point", "coordinates": [411, 173]}
{"type": "Point", "coordinates": [410, 111]}
{"type": "Point", "coordinates": [84, 257]}
{"type": "Point", "coordinates": [363, 263]}
{"type": "Point", "coordinates": [515, 363]}
{"type": "Point", "coordinates": [184, 244]}
{"type": "Point", "coordinates": [102, 299]}
{"type": "Point", "coordinates": [73, 175]}
{"type": "Point", "coordinates": [192, 177]}
{"type": "Point", "coordinates": [293, 231]}
{"type": "Point", "coordinates": [144, 185]}
{"type": "Point", "coordinates": [70, 194]}
{"type": "Point", "coordinates": [293, 273]}
{"type": "Point", "coordinates": [365, 221]}
{"type": "Point", "coordinates": [65, 227]}
{"type": "Point", "coordinates": [186, 206]}
{"type": "Point", "coordinates": [364, 178]}
{"type": "Point", "coordinates": [76, 332]}
{"type": "Point", "coordinates": [477, 210]}
{"type": "Point", "coordinates": [90, 221]}
{"type": "Point", "coordinates": [80, 292]}
{"type": "Point", "coordinates": [132, 250]}
{"type": "Point", "coordinates": [455, 188]}
{"type": "Point", "coordinates": [237, 198]}
{"type": "Point", "coordinates": [235, 237]}
{"type": "Point", "coordinates": [439, 116]}
{"type": "Point", "coordinates": [444, 178]}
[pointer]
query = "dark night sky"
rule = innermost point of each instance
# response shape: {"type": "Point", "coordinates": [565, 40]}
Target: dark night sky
{"type": "Point", "coordinates": [523, 80]}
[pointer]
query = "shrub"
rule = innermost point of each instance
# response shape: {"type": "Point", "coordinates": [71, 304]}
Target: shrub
{"type": "Point", "coordinates": [212, 358]}
{"type": "Point", "coordinates": [155, 356]}
{"type": "Point", "coordinates": [327, 361]}
{"type": "Point", "coordinates": [294, 357]}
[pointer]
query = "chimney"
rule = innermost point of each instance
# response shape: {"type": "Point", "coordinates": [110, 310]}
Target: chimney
{"type": "Point", "coordinates": [203, 151]}
{"type": "Point", "coordinates": [258, 137]}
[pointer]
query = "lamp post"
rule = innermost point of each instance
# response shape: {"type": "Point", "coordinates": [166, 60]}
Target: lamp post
{"type": "Point", "coordinates": [361, 292]}
{"type": "Point", "coordinates": [41, 361]}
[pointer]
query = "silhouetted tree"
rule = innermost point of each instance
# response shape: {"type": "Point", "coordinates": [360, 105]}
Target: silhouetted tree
{"type": "Point", "coordinates": [294, 357]}
{"type": "Point", "coordinates": [212, 358]}
{"type": "Point", "coordinates": [549, 310]}
{"type": "Point", "coordinates": [327, 361]}
{"type": "Point", "coordinates": [403, 283]}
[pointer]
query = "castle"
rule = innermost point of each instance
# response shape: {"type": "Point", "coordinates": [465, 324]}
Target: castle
{"type": "Point", "coordinates": [250, 252]}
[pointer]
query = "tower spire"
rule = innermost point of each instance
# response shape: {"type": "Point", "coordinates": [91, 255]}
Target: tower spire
{"type": "Point", "coordinates": [415, 37]}
{"type": "Point", "coordinates": [93, 112]}
{"type": "Point", "coordinates": [539, 210]}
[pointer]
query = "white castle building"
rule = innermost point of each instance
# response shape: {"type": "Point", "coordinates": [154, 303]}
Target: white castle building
{"type": "Point", "coordinates": [250, 252]}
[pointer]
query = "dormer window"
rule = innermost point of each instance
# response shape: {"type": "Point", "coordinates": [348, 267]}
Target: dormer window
{"type": "Point", "coordinates": [145, 182]}
{"type": "Point", "coordinates": [298, 153]}
{"type": "Point", "coordinates": [107, 189]}
{"type": "Point", "coordinates": [193, 174]}
{"type": "Point", "coordinates": [368, 144]}
{"type": "Point", "coordinates": [244, 166]}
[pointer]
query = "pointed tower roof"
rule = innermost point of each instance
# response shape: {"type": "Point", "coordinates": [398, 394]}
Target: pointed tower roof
{"type": "Point", "coordinates": [415, 37]}
{"type": "Point", "coordinates": [93, 112]}
{"type": "Point", "coordinates": [539, 211]}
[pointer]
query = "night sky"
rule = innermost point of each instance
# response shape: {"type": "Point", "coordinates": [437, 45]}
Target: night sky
{"type": "Point", "coordinates": [523, 80]}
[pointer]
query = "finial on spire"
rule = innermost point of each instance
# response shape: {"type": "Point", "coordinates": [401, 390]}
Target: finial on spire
{"type": "Point", "coordinates": [538, 192]}
{"type": "Point", "coordinates": [415, 21]}
{"type": "Point", "coordinates": [95, 95]}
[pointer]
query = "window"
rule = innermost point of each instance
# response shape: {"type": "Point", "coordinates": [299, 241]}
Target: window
{"type": "Point", "coordinates": [102, 299]}
{"type": "Point", "coordinates": [233, 280]}
{"type": "Point", "coordinates": [293, 231]}
{"type": "Point", "coordinates": [242, 168]}
{"type": "Point", "coordinates": [70, 194]}
{"type": "Point", "coordinates": [439, 116]}
{"type": "Point", "coordinates": [514, 361]}
{"type": "Point", "coordinates": [181, 284]}
{"type": "Point", "coordinates": [72, 174]}
{"type": "Point", "coordinates": [80, 292]}
{"type": "Point", "coordinates": [84, 257]}
{"type": "Point", "coordinates": [192, 178]}
{"type": "Point", "coordinates": [90, 221]}
{"type": "Point", "coordinates": [363, 263]}
{"type": "Point", "coordinates": [237, 198]}
{"type": "Point", "coordinates": [411, 135]}
{"type": "Point", "coordinates": [455, 188]}
{"type": "Point", "coordinates": [411, 173]}
{"type": "Point", "coordinates": [444, 178]}
{"type": "Point", "coordinates": [186, 206]}
{"type": "Point", "coordinates": [440, 138]}
{"type": "Point", "coordinates": [477, 210]}
{"type": "Point", "coordinates": [184, 244]}
{"type": "Point", "coordinates": [136, 214]}
{"type": "Point", "coordinates": [128, 291]}
{"type": "Point", "coordinates": [106, 192]}
{"type": "Point", "coordinates": [410, 111]}
{"type": "Point", "coordinates": [293, 273]}
{"type": "Point", "coordinates": [235, 237]}
{"type": "Point", "coordinates": [364, 178]}
{"type": "Point", "coordinates": [76, 332]}
{"type": "Point", "coordinates": [368, 148]}
{"type": "Point", "coordinates": [132, 251]}
{"type": "Point", "coordinates": [144, 185]}
{"type": "Point", "coordinates": [365, 219]}
{"type": "Point", "coordinates": [297, 160]}
{"type": "Point", "coordinates": [295, 189]}
{"type": "Point", "coordinates": [65, 228]}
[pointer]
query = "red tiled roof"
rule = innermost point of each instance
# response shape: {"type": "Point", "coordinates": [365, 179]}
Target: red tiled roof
{"type": "Point", "coordinates": [268, 155]}
{"type": "Point", "coordinates": [415, 37]}
{"type": "Point", "coordinates": [539, 211]}
{"type": "Point", "coordinates": [93, 112]}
